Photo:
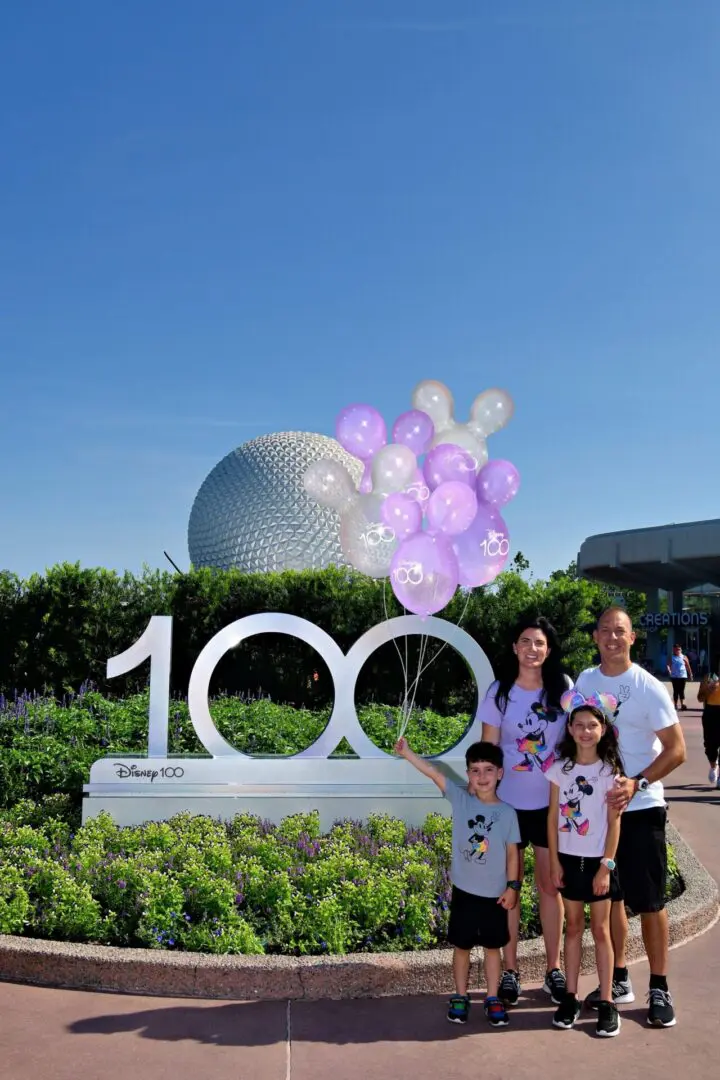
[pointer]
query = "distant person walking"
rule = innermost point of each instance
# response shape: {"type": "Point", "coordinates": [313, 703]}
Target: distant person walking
{"type": "Point", "coordinates": [709, 695]}
{"type": "Point", "coordinates": [679, 671]}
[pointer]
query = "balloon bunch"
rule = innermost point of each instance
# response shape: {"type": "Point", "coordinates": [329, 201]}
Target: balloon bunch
{"type": "Point", "coordinates": [427, 509]}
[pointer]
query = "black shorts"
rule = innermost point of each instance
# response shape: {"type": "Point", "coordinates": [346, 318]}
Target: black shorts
{"type": "Point", "coordinates": [578, 874]}
{"type": "Point", "coordinates": [642, 859]}
{"type": "Point", "coordinates": [533, 827]}
{"type": "Point", "coordinates": [476, 920]}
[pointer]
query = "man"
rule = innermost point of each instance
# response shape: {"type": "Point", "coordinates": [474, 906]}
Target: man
{"type": "Point", "coordinates": [651, 746]}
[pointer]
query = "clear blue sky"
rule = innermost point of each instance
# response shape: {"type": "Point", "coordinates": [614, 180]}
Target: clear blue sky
{"type": "Point", "coordinates": [226, 218]}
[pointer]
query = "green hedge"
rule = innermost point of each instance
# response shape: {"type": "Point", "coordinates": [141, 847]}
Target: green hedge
{"type": "Point", "coordinates": [59, 629]}
{"type": "Point", "coordinates": [243, 887]}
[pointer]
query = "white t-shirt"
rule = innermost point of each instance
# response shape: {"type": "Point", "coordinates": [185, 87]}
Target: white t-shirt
{"type": "Point", "coordinates": [644, 708]}
{"type": "Point", "coordinates": [583, 812]}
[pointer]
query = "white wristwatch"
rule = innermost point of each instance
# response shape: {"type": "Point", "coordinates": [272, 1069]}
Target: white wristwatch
{"type": "Point", "coordinates": [610, 863]}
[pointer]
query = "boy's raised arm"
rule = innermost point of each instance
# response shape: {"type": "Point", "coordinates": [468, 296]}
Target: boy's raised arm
{"type": "Point", "coordinates": [423, 766]}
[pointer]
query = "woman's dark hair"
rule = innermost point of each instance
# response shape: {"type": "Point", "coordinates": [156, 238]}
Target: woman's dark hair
{"type": "Point", "coordinates": [608, 750]}
{"type": "Point", "coordinates": [554, 681]}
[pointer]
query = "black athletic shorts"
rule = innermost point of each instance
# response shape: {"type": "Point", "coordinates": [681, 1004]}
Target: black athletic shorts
{"type": "Point", "coordinates": [642, 859]}
{"type": "Point", "coordinates": [477, 920]}
{"type": "Point", "coordinates": [533, 827]}
{"type": "Point", "coordinates": [578, 874]}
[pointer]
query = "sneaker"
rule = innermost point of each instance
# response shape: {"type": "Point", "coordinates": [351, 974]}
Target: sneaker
{"type": "Point", "coordinates": [495, 1012]}
{"type": "Point", "coordinates": [608, 1022]}
{"type": "Point", "coordinates": [509, 991]}
{"type": "Point", "coordinates": [459, 1009]}
{"type": "Point", "coordinates": [622, 994]}
{"type": "Point", "coordinates": [660, 1009]}
{"type": "Point", "coordinates": [713, 775]}
{"type": "Point", "coordinates": [567, 1013]}
{"type": "Point", "coordinates": [555, 986]}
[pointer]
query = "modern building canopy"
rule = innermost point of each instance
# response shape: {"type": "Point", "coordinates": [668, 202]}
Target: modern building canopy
{"type": "Point", "coordinates": [669, 557]}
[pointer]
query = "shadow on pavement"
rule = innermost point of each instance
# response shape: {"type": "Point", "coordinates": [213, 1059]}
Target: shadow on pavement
{"type": "Point", "coordinates": [359, 1021]}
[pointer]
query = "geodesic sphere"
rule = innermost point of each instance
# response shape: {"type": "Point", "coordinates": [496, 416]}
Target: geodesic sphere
{"type": "Point", "coordinates": [253, 514]}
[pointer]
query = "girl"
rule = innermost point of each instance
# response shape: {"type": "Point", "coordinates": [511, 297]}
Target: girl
{"type": "Point", "coordinates": [583, 834]}
{"type": "Point", "coordinates": [522, 714]}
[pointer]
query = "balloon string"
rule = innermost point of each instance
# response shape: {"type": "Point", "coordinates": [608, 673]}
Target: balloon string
{"type": "Point", "coordinates": [397, 649]}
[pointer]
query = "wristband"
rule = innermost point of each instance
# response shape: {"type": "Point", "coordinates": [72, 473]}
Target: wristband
{"type": "Point", "coordinates": [515, 885]}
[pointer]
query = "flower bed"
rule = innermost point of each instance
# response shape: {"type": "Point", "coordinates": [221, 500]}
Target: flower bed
{"type": "Point", "coordinates": [242, 887]}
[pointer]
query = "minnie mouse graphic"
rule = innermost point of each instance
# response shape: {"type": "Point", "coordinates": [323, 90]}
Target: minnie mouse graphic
{"type": "Point", "coordinates": [570, 809]}
{"type": "Point", "coordinates": [532, 743]}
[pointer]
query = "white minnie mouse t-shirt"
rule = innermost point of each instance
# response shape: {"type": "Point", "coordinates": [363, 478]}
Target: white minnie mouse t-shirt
{"type": "Point", "coordinates": [583, 812]}
{"type": "Point", "coordinates": [644, 708]}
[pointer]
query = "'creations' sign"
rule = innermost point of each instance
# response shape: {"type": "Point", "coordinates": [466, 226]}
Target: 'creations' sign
{"type": "Point", "coordinates": [135, 788]}
{"type": "Point", "coordinates": [656, 620]}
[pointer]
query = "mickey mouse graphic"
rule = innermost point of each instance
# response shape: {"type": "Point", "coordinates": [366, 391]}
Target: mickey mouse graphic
{"type": "Point", "coordinates": [570, 809]}
{"type": "Point", "coordinates": [623, 696]}
{"type": "Point", "coordinates": [532, 742]}
{"type": "Point", "coordinates": [479, 842]}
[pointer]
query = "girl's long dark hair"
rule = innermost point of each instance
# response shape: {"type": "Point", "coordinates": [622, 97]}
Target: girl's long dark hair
{"type": "Point", "coordinates": [607, 748]}
{"type": "Point", "coordinates": [554, 681]}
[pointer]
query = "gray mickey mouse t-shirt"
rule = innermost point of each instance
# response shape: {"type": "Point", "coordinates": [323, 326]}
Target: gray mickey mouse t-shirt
{"type": "Point", "coordinates": [480, 835]}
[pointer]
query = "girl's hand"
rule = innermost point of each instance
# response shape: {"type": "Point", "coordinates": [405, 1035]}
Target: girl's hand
{"type": "Point", "coordinates": [601, 882]}
{"type": "Point", "coordinates": [401, 746]}
{"type": "Point", "coordinates": [556, 875]}
{"type": "Point", "coordinates": [509, 899]}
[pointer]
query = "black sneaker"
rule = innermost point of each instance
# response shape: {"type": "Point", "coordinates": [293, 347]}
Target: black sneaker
{"type": "Point", "coordinates": [622, 994]}
{"type": "Point", "coordinates": [555, 986]}
{"type": "Point", "coordinates": [660, 1009]}
{"type": "Point", "coordinates": [509, 991]}
{"type": "Point", "coordinates": [459, 1009]}
{"type": "Point", "coordinates": [567, 1013]}
{"type": "Point", "coordinates": [495, 1012]}
{"type": "Point", "coordinates": [608, 1021]}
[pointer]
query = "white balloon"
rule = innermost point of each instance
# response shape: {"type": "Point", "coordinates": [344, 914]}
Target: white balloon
{"type": "Point", "coordinates": [434, 398]}
{"type": "Point", "coordinates": [491, 411]}
{"type": "Point", "coordinates": [329, 483]}
{"type": "Point", "coordinates": [393, 467]}
{"type": "Point", "coordinates": [367, 542]}
{"type": "Point", "coordinates": [461, 435]}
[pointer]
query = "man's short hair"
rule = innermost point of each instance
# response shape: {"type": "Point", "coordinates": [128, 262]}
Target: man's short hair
{"type": "Point", "coordinates": [613, 609]}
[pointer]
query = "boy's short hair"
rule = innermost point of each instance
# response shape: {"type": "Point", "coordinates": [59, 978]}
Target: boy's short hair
{"type": "Point", "coordinates": [484, 751]}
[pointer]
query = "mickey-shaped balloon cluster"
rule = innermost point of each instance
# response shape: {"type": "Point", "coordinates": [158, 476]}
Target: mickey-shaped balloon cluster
{"type": "Point", "coordinates": [427, 509]}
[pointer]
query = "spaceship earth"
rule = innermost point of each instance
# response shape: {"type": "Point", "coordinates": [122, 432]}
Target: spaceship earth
{"type": "Point", "coordinates": [252, 512]}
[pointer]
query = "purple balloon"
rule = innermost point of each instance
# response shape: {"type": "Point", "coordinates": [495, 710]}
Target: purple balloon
{"type": "Point", "coordinates": [452, 507]}
{"type": "Point", "coordinates": [424, 573]}
{"type": "Point", "coordinates": [483, 549]}
{"type": "Point", "coordinates": [360, 429]}
{"type": "Point", "coordinates": [449, 462]}
{"type": "Point", "coordinates": [415, 429]}
{"type": "Point", "coordinates": [402, 514]}
{"type": "Point", "coordinates": [418, 490]}
{"type": "Point", "coordinates": [498, 482]}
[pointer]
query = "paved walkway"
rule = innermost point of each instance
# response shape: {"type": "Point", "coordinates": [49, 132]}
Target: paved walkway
{"type": "Point", "coordinates": [63, 1035]}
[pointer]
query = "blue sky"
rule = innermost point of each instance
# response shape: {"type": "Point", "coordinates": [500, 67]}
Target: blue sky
{"type": "Point", "coordinates": [226, 218]}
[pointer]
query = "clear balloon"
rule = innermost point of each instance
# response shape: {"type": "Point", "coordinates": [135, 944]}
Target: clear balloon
{"type": "Point", "coordinates": [461, 435]}
{"type": "Point", "coordinates": [329, 483]}
{"type": "Point", "coordinates": [434, 399]}
{"type": "Point", "coordinates": [424, 573]}
{"type": "Point", "coordinates": [402, 514]}
{"type": "Point", "coordinates": [418, 490]}
{"type": "Point", "coordinates": [498, 482]}
{"type": "Point", "coordinates": [491, 411]}
{"type": "Point", "coordinates": [367, 542]}
{"type": "Point", "coordinates": [360, 429]}
{"type": "Point", "coordinates": [482, 551]}
{"type": "Point", "coordinates": [449, 462]}
{"type": "Point", "coordinates": [365, 486]}
{"type": "Point", "coordinates": [393, 467]}
{"type": "Point", "coordinates": [414, 429]}
{"type": "Point", "coordinates": [452, 507]}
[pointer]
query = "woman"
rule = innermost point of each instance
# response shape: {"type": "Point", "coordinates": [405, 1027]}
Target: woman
{"type": "Point", "coordinates": [709, 697]}
{"type": "Point", "coordinates": [679, 671]}
{"type": "Point", "coordinates": [522, 713]}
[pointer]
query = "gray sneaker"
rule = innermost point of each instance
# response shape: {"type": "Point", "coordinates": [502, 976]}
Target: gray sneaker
{"type": "Point", "coordinates": [622, 994]}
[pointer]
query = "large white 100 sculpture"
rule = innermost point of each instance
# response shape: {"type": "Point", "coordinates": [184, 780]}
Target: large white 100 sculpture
{"type": "Point", "coordinates": [155, 644]}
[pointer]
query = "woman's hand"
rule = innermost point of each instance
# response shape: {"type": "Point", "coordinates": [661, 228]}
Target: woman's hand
{"type": "Point", "coordinates": [556, 874]}
{"type": "Point", "coordinates": [601, 881]}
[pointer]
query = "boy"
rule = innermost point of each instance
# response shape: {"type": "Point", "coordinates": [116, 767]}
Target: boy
{"type": "Point", "coordinates": [484, 871]}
